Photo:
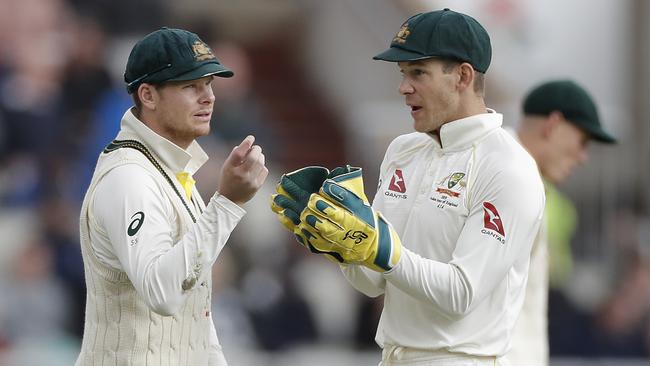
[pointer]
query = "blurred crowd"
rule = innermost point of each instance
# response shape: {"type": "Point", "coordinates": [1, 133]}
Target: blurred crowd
{"type": "Point", "coordinates": [61, 99]}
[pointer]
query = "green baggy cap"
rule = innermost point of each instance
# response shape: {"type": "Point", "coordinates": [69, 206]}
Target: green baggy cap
{"type": "Point", "coordinates": [442, 33]}
{"type": "Point", "coordinates": [170, 54]}
{"type": "Point", "coordinates": [573, 101]}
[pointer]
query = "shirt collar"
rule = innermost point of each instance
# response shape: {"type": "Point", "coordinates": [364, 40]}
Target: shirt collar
{"type": "Point", "coordinates": [462, 133]}
{"type": "Point", "coordinates": [177, 159]}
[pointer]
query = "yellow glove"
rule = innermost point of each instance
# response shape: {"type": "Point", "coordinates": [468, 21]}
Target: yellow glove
{"type": "Point", "coordinates": [292, 195]}
{"type": "Point", "coordinates": [339, 219]}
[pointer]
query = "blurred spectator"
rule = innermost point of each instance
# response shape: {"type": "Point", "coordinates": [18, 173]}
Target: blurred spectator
{"type": "Point", "coordinates": [58, 218]}
{"type": "Point", "coordinates": [49, 89]}
{"type": "Point", "coordinates": [368, 316]}
{"type": "Point", "coordinates": [30, 112]}
{"type": "Point", "coordinates": [85, 82]}
{"type": "Point", "coordinates": [232, 321]}
{"type": "Point", "coordinates": [281, 316]}
{"type": "Point", "coordinates": [622, 325]}
{"type": "Point", "coordinates": [124, 16]}
{"type": "Point", "coordinates": [35, 304]}
{"type": "Point", "coordinates": [237, 110]}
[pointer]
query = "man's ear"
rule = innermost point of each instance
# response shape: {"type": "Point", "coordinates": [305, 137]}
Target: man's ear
{"type": "Point", "coordinates": [551, 123]}
{"type": "Point", "coordinates": [148, 96]}
{"type": "Point", "coordinates": [466, 76]}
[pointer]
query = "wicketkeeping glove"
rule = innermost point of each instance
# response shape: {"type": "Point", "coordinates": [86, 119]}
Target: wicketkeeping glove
{"type": "Point", "coordinates": [293, 193]}
{"type": "Point", "coordinates": [339, 219]}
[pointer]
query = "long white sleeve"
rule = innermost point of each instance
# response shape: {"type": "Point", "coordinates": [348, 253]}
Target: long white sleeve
{"type": "Point", "coordinates": [366, 281]}
{"type": "Point", "coordinates": [441, 284]}
{"type": "Point", "coordinates": [146, 251]}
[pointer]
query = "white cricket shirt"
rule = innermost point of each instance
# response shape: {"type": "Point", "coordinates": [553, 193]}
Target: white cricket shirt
{"type": "Point", "coordinates": [467, 211]}
{"type": "Point", "coordinates": [530, 335]}
{"type": "Point", "coordinates": [135, 226]}
{"type": "Point", "coordinates": [131, 189]}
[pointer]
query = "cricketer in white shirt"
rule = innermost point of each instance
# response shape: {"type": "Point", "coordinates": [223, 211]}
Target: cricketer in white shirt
{"type": "Point", "coordinates": [467, 210]}
{"type": "Point", "coordinates": [148, 252]}
{"type": "Point", "coordinates": [530, 334]}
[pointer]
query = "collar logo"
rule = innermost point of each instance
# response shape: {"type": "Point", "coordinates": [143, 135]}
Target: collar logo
{"type": "Point", "coordinates": [401, 35]}
{"type": "Point", "coordinates": [201, 51]}
{"type": "Point", "coordinates": [397, 183]}
{"type": "Point", "coordinates": [492, 219]}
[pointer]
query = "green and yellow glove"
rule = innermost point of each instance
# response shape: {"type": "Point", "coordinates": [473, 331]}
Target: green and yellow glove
{"type": "Point", "coordinates": [339, 219]}
{"type": "Point", "coordinates": [293, 191]}
{"type": "Point", "coordinates": [292, 194]}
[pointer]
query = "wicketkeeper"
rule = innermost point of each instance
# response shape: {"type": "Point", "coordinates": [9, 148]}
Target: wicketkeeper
{"type": "Point", "coordinates": [448, 236]}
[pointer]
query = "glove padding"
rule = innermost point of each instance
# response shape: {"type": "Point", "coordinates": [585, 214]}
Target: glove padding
{"type": "Point", "coordinates": [339, 219]}
{"type": "Point", "coordinates": [293, 192]}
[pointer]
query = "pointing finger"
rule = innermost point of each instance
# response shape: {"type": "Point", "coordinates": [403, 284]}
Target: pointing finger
{"type": "Point", "coordinates": [238, 154]}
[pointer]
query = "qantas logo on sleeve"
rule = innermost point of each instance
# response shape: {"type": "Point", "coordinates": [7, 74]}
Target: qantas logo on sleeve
{"type": "Point", "coordinates": [492, 221]}
{"type": "Point", "coordinates": [397, 182]}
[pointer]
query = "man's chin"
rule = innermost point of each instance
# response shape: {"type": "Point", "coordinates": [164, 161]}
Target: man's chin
{"type": "Point", "coordinates": [557, 178]}
{"type": "Point", "coordinates": [420, 127]}
{"type": "Point", "coordinates": [202, 131]}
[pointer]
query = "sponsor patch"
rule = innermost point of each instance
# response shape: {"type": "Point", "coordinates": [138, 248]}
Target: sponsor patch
{"type": "Point", "coordinates": [492, 223]}
{"type": "Point", "coordinates": [397, 186]}
{"type": "Point", "coordinates": [397, 183]}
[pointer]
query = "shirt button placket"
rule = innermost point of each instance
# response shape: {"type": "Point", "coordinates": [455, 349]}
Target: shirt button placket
{"type": "Point", "coordinates": [427, 181]}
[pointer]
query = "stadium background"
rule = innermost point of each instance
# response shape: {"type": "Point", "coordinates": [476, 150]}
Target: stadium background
{"type": "Point", "coordinates": [306, 86]}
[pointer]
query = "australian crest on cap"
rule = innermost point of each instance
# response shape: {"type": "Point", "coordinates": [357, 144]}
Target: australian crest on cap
{"type": "Point", "coordinates": [201, 51]}
{"type": "Point", "coordinates": [403, 32]}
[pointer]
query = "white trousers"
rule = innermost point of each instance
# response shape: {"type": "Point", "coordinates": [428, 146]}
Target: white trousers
{"type": "Point", "coordinates": [397, 355]}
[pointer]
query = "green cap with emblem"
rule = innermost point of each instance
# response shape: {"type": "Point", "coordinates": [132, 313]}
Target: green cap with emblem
{"type": "Point", "coordinates": [170, 54]}
{"type": "Point", "coordinates": [442, 33]}
{"type": "Point", "coordinates": [572, 101]}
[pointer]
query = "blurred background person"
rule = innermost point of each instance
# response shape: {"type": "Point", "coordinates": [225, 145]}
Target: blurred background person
{"type": "Point", "coordinates": [560, 119]}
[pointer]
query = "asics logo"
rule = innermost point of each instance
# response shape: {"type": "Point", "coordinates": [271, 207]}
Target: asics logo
{"type": "Point", "coordinates": [136, 223]}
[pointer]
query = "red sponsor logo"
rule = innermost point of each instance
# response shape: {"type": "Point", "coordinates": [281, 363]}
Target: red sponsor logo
{"type": "Point", "coordinates": [448, 192]}
{"type": "Point", "coordinates": [397, 182]}
{"type": "Point", "coordinates": [492, 219]}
